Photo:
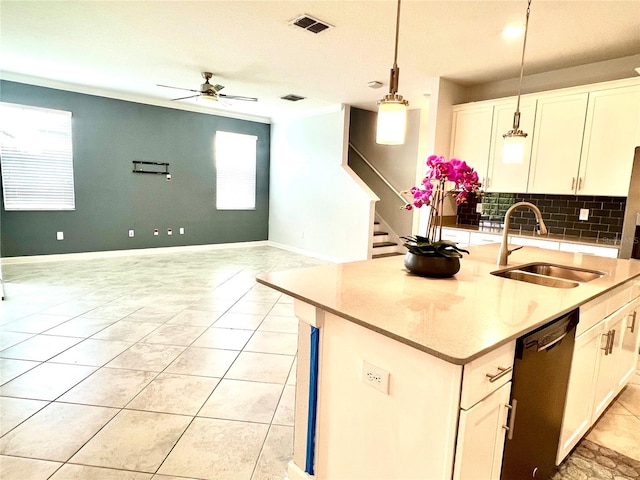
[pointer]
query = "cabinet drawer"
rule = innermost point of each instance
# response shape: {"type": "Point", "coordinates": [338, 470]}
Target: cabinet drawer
{"type": "Point", "coordinates": [620, 296]}
{"type": "Point", "coordinates": [593, 312]}
{"type": "Point", "coordinates": [484, 238]}
{"type": "Point", "coordinates": [458, 236]}
{"type": "Point", "coordinates": [486, 374]}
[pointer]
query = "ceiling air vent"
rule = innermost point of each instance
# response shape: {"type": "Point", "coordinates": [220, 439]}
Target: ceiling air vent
{"type": "Point", "coordinates": [292, 98]}
{"type": "Point", "coordinates": [309, 23]}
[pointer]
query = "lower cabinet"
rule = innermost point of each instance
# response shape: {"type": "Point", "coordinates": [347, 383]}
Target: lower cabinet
{"type": "Point", "coordinates": [481, 434]}
{"type": "Point", "coordinates": [609, 348]}
{"type": "Point", "coordinates": [605, 356]}
{"type": "Point", "coordinates": [630, 344]}
{"type": "Point", "coordinates": [578, 406]}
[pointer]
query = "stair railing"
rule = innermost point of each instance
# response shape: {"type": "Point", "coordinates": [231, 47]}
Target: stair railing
{"type": "Point", "coordinates": [377, 172]}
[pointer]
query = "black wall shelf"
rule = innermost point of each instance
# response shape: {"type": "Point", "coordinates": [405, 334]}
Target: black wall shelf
{"type": "Point", "coordinates": [150, 167]}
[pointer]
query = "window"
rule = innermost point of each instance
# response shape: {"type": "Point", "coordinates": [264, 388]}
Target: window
{"type": "Point", "coordinates": [36, 157]}
{"type": "Point", "coordinates": [235, 158]}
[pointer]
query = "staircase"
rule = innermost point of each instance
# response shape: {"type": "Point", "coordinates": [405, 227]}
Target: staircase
{"type": "Point", "coordinates": [382, 247]}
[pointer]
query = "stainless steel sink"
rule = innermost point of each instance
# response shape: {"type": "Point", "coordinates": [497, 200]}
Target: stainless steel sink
{"type": "Point", "coordinates": [549, 275]}
{"type": "Point", "coordinates": [559, 271]}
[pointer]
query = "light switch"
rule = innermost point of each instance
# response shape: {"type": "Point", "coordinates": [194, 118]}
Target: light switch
{"type": "Point", "coordinates": [59, 235]}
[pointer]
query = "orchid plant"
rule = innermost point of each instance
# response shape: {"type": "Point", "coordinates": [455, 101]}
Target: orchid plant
{"type": "Point", "coordinates": [432, 192]}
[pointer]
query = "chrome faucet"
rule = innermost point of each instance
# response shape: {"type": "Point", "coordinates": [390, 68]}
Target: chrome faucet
{"type": "Point", "coordinates": [504, 250]}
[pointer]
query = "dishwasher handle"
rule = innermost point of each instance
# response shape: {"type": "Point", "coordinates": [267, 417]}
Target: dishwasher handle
{"type": "Point", "coordinates": [552, 343]}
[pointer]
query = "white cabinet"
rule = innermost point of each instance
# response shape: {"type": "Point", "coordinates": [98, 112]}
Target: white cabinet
{"type": "Point", "coordinates": [609, 346]}
{"type": "Point", "coordinates": [480, 238]}
{"type": "Point", "coordinates": [612, 131]}
{"type": "Point", "coordinates": [471, 137]}
{"type": "Point", "coordinates": [578, 406]}
{"type": "Point", "coordinates": [481, 433]}
{"type": "Point", "coordinates": [484, 406]}
{"type": "Point", "coordinates": [605, 355]}
{"type": "Point", "coordinates": [512, 177]}
{"type": "Point", "coordinates": [580, 140]}
{"type": "Point", "coordinates": [459, 237]}
{"type": "Point", "coordinates": [557, 141]}
{"type": "Point", "coordinates": [609, 252]}
{"type": "Point", "coordinates": [629, 344]}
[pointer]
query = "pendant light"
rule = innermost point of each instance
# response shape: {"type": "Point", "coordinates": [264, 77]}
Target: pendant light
{"type": "Point", "coordinates": [392, 109]}
{"type": "Point", "coordinates": [514, 139]}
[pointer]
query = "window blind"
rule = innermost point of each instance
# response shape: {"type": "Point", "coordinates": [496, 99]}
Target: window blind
{"type": "Point", "coordinates": [235, 162]}
{"type": "Point", "coordinates": [36, 156]}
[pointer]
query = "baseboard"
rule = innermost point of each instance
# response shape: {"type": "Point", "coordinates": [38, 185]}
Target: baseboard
{"type": "Point", "coordinates": [294, 472]}
{"type": "Point", "coordinates": [132, 252]}
{"type": "Point", "coordinates": [307, 253]}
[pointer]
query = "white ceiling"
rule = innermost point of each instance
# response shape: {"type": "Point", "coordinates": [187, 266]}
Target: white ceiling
{"type": "Point", "coordinates": [127, 47]}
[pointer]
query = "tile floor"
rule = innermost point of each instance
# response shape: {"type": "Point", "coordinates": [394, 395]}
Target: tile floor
{"type": "Point", "coordinates": [165, 367]}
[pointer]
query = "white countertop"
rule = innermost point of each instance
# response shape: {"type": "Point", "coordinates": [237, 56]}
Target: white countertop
{"type": "Point", "coordinates": [457, 319]}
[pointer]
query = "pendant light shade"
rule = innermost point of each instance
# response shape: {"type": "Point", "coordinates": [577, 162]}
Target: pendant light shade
{"type": "Point", "coordinates": [514, 139]}
{"type": "Point", "coordinates": [392, 109]}
{"type": "Point", "coordinates": [392, 120]}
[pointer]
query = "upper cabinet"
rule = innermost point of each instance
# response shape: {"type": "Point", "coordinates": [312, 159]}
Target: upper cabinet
{"type": "Point", "coordinates": [471, 137]}
{"type": "Point", "coordinates": [556, 144]}
{"type": "Point", "coordinates": [580, 140]}
{"type": "Point", "coordinates": [510, 177]}
{"type": "Point", "coordinates": [612, 132]}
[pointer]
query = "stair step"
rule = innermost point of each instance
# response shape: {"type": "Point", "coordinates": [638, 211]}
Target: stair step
{"type": "Point", "coordinates": [383, 255]}
{"type": "Point", "coordinates": [380, 233]}
{"type": "Point", "coordinates": [384, 244]}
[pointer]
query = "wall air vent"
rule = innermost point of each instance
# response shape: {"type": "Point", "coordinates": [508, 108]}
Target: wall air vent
{"type": "Point", "coordinates": [310, 24]}
{"type": "Point", "coordinates": [292, 98]}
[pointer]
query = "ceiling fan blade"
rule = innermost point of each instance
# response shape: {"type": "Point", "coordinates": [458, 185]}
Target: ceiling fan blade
{"type": "Point", "coordinates": [179, 88]}
{"type": "Point", "coordinates": [184, 98]}
{"type": "Point", "coordinates": [236, 97]}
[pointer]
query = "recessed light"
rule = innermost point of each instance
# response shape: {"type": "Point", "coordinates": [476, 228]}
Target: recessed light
{"type": "Point", "coordinates": [513, 30]}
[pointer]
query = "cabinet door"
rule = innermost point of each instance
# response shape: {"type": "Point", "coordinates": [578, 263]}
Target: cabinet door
{"type": "Point", "coordinates": [629, 344]}
{"type": "Point", "coordinates": [511, 177]}
{"type": "Point", "coordinates": [577, 411]}
{"type": "Point", "coordinates": [555, 157]}
{"type": "Point", "coordinates": [607, 370]}
{"type": "Point", "coordinates": [612, 131]}
{"type": "Point", "coordinates": [481, 435]}
{"type": "Point", "coordinates": [471, 137]}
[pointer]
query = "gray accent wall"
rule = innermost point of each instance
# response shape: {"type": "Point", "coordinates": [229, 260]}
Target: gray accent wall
{"type": "Point", "coordinates": [108, 135]}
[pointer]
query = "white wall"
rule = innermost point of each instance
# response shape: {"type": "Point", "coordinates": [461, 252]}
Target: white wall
{"type": "Point", "coordinates": [316, 204]}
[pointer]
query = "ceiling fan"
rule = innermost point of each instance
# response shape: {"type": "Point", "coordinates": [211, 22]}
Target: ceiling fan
{"type": "Point", "coordinates": [209, 91]}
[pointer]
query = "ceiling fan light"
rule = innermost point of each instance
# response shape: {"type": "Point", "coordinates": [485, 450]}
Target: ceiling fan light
{"type": "Point", "coordinates": [392, 120]}
{"type": "Point", "coordinates": [513, 146]}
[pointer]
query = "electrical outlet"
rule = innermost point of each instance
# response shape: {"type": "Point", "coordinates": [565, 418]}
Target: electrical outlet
{"type": "Point", "coordinates": [181, 230]}
{"type": "Point", "coordinates": [59, 235]}
{"type": "Point", "coordinates": [131, 233]}
{"type": "Point", "coordinates": [584, 214]}
{"type": "Point", "coordinates": [156, 232]}
{"type": "Point", "coordinates": [169, 231]}
{"type": "Point", "coordinates": [478, 208]}
{"type": "Point", "coordinates": [375, 377]}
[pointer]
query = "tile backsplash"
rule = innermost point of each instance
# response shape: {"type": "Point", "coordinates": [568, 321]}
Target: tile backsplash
{"type": "Point", "coordinates": [560, 213]}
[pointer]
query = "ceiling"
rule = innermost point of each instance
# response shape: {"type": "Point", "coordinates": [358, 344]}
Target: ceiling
{"type": "Point", "coordinates": [125, 48]}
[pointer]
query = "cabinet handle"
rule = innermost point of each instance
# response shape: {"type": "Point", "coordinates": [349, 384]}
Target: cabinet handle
{"type": "Point", "coordinates": [613, 336]}
{"type": "Point", "coordinates": [573, 183]}
{"type": "Point", "coordinates": [512, 418]}
{"type": "Point", "coordinates": [501, 373]}
{"type": "Point", "coordinates": [580, 183]}
{"type": "Point", "coordinates": [606, 345]}
{"type": "Point", "coordinates": [632, 327]}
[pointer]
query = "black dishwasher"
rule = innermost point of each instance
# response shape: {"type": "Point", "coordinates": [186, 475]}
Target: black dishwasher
{"type": "Point", "coordinates": [538, 394]}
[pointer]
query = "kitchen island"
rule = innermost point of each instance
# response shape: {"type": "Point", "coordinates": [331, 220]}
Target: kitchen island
{"type": "Point", "coordinates": [434, 350]}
